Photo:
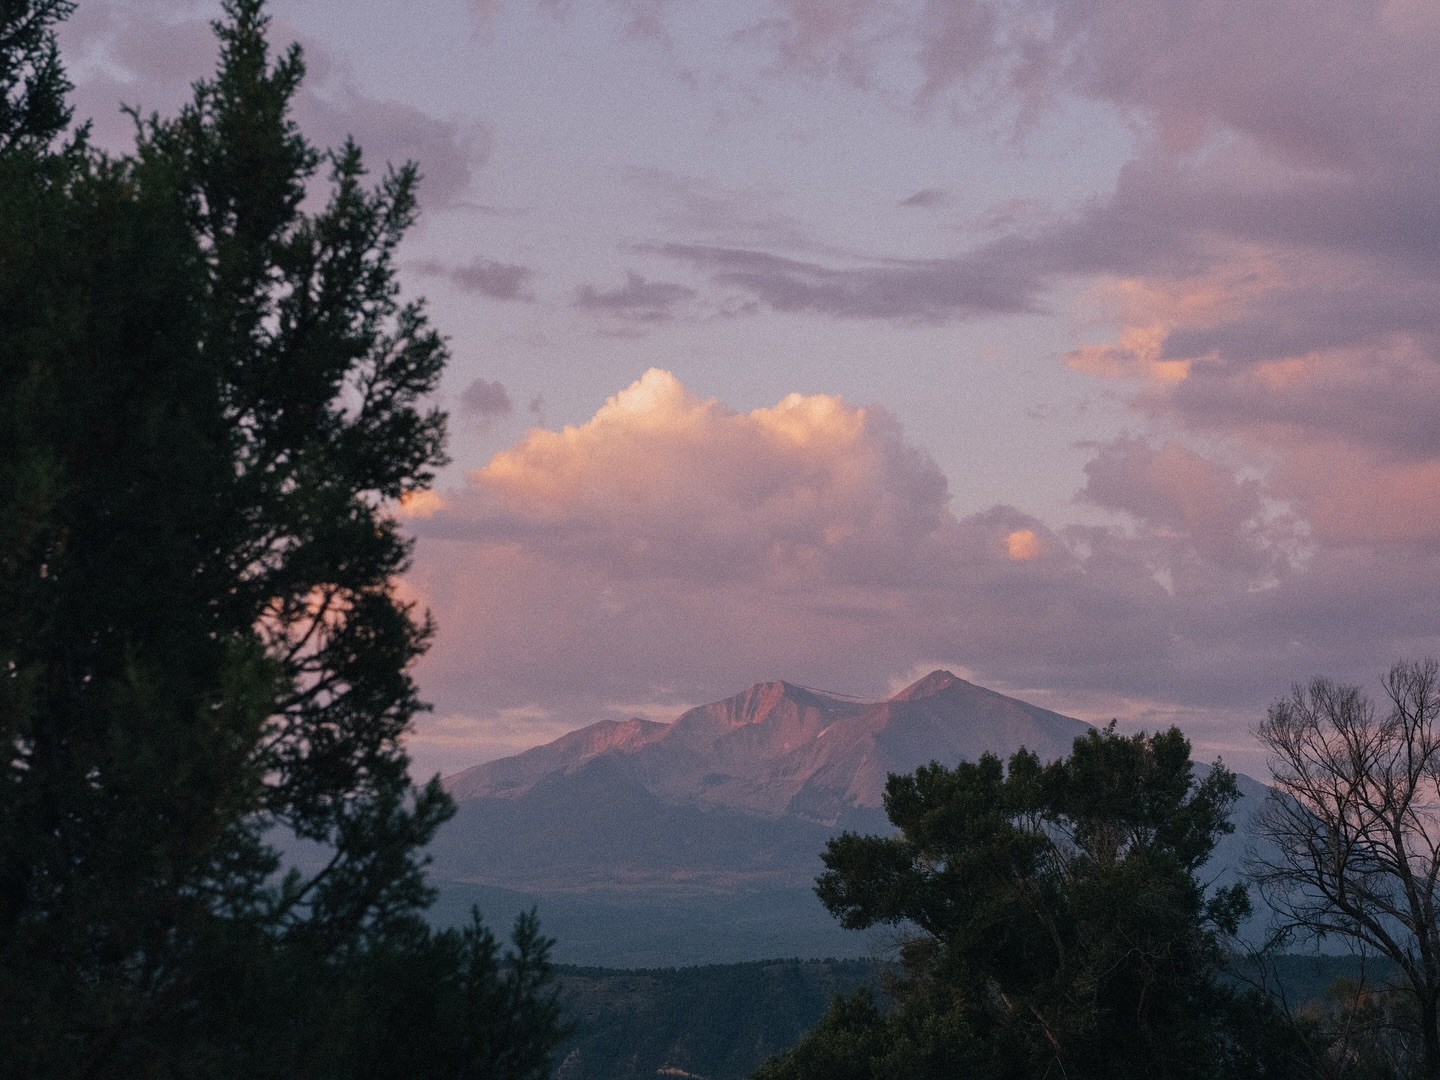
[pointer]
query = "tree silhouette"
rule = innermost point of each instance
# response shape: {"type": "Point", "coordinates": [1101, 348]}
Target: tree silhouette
{"type": "Point", "coordinates": [1354, 828]}
{"type": "Point", "coordinates": [1053, 923]}
{"type": "Point", "coordinates": [211, 399]}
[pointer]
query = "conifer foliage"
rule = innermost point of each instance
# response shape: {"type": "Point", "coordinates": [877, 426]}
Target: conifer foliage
{"type": "Point", "coordinates": [210, 398]}
{"type": "Point", "coordinates": [1054, 924]}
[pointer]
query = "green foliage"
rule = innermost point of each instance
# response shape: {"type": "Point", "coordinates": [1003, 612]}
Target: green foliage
{"type": "Point", "coordinates": [209, 399]}
{"type": "Point", "coordinates": [720, 1021]}
{"type": "Point", "coordinates": [1053, 920]}
{"type": "Point", "coordinates": [717, 1021]}
{"type": "Point", "coordinates": [32, 82]}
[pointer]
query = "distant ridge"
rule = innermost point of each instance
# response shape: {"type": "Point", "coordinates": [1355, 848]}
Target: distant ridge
{"type": "Point", "coordinates": [779, 748]}
{"type": "Point", "coordinates": [698, 841]}
{"type": "Point", "coordinates": [522, 771]}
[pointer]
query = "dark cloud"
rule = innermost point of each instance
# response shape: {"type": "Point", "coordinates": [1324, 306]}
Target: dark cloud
{"type": "Point", "coordinates": [486, 400]}
{"type": "Point", "coordinates": [957, 40]}
{"type": "Point", "coordinates": [637, 299]}
{"type": "Point", "coordinates": [1328, 81]}
{"type": "Point", "coordinates": [485, 11]}
{"type": "Point", "coordinates": [497, 280]}
{"type": "Point", "coordinates": [1388, 405]}
{"type": "Point", "coordinates": [1315, 117]}
{"type": "Point", "coordinates": [927, 290]}
{"type": "Point", "coordinates": [503, 281]}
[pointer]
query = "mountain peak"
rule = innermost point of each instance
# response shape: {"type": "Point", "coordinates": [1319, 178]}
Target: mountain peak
{"type": "Point", "coordinates": [936, 682]}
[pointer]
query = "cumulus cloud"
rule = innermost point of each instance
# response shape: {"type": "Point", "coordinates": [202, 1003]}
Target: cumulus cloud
{"type": "Point", "coordinates": [696, 489]}
{"type": "Point", "coordinates": [670, 550]}
{"type": "Point", "coordinates": [669, 544]}
{"type": "Point", "coordinates": [1268, 264]}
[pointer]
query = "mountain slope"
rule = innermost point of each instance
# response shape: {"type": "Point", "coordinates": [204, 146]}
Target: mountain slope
{"type": "Point", "coordinates": [515, 775]}
{"type": "Point", "coordinates": [738, 794]}
{"type": "Point", "coordinates": [778, 749]}
{"type": "Point", "coordinates": [699, 840]}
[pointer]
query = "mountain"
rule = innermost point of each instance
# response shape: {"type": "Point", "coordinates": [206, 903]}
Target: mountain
{"type": "Point", "coordinates": [512, 776]}
{"type": "Point", "coordinates": [778, 749]}
{"type": "Point", "coordinates": [698, 841]}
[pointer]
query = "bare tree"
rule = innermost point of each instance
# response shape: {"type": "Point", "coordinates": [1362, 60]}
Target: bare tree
{"type": "Point", "coordinates": [1354, 824]}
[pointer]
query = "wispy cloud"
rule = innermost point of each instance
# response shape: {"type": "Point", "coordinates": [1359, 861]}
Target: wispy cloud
{"type": "Point", "coordinates": [928, 290]}
{"type": "Point", "coordinates": [638, 299]}
{"type": "Point", "coordinates": [924, 199]}
{"type": "Point", "coordinates": [487, 277]}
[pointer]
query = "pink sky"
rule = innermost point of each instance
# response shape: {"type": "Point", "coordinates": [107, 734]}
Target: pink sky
{"type": "Point", "coordinates": [1087, 349]}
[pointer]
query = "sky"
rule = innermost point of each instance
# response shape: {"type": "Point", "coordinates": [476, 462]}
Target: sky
{"type": "Point", "coordinates": [1089, 349]}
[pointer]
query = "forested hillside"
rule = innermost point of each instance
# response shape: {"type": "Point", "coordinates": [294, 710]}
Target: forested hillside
{"type": "Point", "coordinates": [719, 1022]}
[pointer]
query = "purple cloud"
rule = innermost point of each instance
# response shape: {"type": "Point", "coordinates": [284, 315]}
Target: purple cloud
{"type": "Point", "coordinates": [497, 280]}
{"type": "Point", "coordinates": [697, 206]}
{"type": "Point", "coordinates": [926, 290]}
{"type": "Point", "coordinates": [391, 133]}
{"type": "Point", "coordinates": [925, 199]}
{"type": "Point", "coordinates": [121, 53]}
{"type": "Point", "coordinates": [637, 299]}
{"type": "Point", "coordinates": [671, 550]}
{"type": "Point", "coordinates": [486, 400]}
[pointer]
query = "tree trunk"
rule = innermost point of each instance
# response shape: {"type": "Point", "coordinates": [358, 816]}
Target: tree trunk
{"type": "Point", "coordinates": [1430, 1035]}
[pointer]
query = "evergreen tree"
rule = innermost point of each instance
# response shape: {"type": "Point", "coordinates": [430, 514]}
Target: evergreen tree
{"type": "Point", "coordinates": [1053, 921]}
{"type": "Point", "coordinates": [209, 401]}
{"type": "Point", "coordinates": [32, 83]}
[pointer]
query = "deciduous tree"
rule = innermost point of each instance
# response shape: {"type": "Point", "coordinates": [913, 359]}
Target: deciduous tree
{"type": "Point", "coordinates": [1354, 828]}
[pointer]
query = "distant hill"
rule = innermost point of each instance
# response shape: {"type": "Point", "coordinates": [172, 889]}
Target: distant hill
{"type": "Point", "coordinates": [720, 1022]}
{"type": "Point", "coordinates": [698, 841]}
{"type": "Point", "coordinates": [711, 1023]}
